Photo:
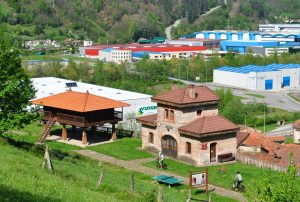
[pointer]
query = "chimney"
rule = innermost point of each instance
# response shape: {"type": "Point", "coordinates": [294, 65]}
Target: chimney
{"type": "Point", "coordinates": [192, 91]}
{"type": "Point", "coordinates": [174, 86]}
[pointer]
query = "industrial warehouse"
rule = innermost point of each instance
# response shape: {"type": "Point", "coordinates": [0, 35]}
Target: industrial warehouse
{"type": "Point", "coordinates": [274, 77]}
{"type": "Point", "coordinates": [140, 104]}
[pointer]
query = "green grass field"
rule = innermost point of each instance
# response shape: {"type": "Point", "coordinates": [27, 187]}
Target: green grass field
{"type": "Point", "coordinates": [125, 149]}
{"type": "Point", "coordinates": [22, 178]}
{"type": "Point", "coordinates": [250, 173]}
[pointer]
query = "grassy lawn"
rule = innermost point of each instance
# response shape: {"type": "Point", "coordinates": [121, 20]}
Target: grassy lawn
{"type": "Point", "coordinates": [249, 173]}
{"type": "Point", "coordinates": [74, 179]}
{"type": "Point", "coordinates": [269, 127]}
{"type": "Point", "coordinates": [255, 95]}
{"type": "Point", "coordinates": [125, 149]}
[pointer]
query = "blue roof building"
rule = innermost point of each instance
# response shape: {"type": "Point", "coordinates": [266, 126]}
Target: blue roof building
{"type": "Point", "coordinates": [273, 77]}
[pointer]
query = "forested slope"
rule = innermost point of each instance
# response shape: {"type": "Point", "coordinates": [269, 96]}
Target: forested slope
{"type": "Point", "coordinates": [244, 15]}
{"type": "Point", "coordinates": [113, 21]}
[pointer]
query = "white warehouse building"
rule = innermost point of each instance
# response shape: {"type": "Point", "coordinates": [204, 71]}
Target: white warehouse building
{"type": "Point", "coordinates": [140, 104]}
{"type": "Point", "coordinates": [274, 77]}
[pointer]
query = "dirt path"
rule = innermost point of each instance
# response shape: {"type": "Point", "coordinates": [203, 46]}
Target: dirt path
{"type": "Point", "coordinates": [177, 22]}
{"type": "Point", "coordinates": [234, 9]}
{"type": "Point", "coordinates": [137, 166]}
{"type": "Point", "coordinates": [168, 29]}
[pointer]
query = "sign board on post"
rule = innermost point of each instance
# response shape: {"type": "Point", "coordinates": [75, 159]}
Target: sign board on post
{"type": "Point", "coordinates": [199, 179]}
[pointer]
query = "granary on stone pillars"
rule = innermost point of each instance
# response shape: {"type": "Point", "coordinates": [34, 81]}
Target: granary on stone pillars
{"type": "Point", "coordinates": [77, 109]}
{"type": "Point", "coordinates": [187, 126]}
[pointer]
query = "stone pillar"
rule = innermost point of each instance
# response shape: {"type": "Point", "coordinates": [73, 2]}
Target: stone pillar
{"type": "Point", "coordinates": [84, 136]}
{"type": "Point", "coordinates": [113, 133]}
{"type": "Point", "coordinates": [64, 134]}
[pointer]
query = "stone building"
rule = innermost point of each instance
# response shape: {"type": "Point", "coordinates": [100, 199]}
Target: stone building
{"type": "Point", "coordinates": [187, 126]}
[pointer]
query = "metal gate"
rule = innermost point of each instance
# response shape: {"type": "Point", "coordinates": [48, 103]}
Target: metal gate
{"type": "Point", "coordinates": [169, 146]}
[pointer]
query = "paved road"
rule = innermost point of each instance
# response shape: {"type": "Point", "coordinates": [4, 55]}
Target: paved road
{"type": "Point", "coordinates": [272, 99]}
{"type": "Point", "coordinates": [282, 130]}
{"type": "Point", "coordinates": [137, 166]}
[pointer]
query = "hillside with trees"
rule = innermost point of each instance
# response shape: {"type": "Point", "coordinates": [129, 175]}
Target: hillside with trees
{"type": "Point", "coordinates": [103, 21]}
{"type": "Point", "coordinates": [243, 15]}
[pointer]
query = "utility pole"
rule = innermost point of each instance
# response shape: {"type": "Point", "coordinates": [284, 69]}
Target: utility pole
{"type": "Point", "coordinates": [264, 120]}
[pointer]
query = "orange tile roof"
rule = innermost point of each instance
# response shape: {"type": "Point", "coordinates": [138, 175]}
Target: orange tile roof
{"type": "Point", "coordinates": [181, 96]}
{"type": "Point", "coordinates": [148, 120]}
{"type": "Point", "coordinates": [79, 102]}
{"type": "Point", "coordinates": [208, 125]}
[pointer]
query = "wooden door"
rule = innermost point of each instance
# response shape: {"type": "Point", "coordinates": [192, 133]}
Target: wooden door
{"type": "Point", "coordinates": [169, 146]}
{"type": "Point", "coordinates": [213, 152]}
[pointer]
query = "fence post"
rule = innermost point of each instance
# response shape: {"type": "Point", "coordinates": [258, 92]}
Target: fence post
{"type": "Point", "coordinates": [47, 160]}
{"type": "Point", "coordinates": [160, 194]}
{"type": "Point", "coordinates": [189, 195]}
{"type": "Point", "coordinates": [132, 182]}
{"type": "Point", "coordinates": [100, 177]}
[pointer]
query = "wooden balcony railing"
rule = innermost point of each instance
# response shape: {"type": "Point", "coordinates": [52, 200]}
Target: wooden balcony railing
{"type": "Point", "coordinates": [81, 121]}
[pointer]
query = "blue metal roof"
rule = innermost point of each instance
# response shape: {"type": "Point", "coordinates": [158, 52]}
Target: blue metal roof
{"type": "Point", "coordinates": [254, 68]}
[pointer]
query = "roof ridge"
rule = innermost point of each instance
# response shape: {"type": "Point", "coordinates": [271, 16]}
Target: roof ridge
{"type": "Point", "coordinates": [87, 95]}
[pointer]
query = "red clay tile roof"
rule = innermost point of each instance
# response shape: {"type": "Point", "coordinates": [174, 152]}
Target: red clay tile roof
{"type": "Point", "coordinates": [208, 125]}
{"type": "Point", "coordinates": [79, 102]}
{"type": "Point", "coordinates": [181, 96]}
{"type": "Point", "coordinates": [256, 139]}
{"type": "Point", "coordinates": [148, 120]}
{"type": "Point", "coordinates": [241, 137]}
{"type": "Point", "coordinates": [296, 124]}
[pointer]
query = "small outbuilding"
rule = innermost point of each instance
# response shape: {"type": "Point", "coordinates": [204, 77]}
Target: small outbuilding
{"type": "Point", "coordinates": [77, 109]}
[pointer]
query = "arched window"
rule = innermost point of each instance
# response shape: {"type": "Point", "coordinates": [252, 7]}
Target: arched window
{"type": "Point", "coordinates": [188, 148]}
{"type": "Point", "coordinates": [151, 138]}
{"type": "Point", "coordinates": [171, 115]}
{"type": "Point", "coordinates": [166, 114]}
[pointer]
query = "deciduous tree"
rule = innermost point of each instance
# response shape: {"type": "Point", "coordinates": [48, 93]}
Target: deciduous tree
{"type": "Point", "coordinates": [16, 89]}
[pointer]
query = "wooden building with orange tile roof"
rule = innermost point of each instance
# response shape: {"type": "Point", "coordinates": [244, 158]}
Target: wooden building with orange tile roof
{"type": "Point", "coordinates": [187, 126]}
{"type": "Point", "coordinates": [79, 109]}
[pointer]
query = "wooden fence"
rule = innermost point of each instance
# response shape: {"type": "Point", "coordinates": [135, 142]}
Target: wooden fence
{"type": "Point", "coordinates": [248, 159]}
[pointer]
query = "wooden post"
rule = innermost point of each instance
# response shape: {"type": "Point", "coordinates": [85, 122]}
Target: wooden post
{"type": "Point", "coordinates": [160, 194]}
{"type": "Point", "coordinates": [113, 133]}
{"type": "Point", "coordinates": [47, 160]}
{"type": "Point", "coordinates": [100, 177]}
{"type": "Point", "coordinates": [132, 182]}
{"type": "Point", "coordinates": [84, 137]}
{"type": "Point", "coordinates": [64, 134]}
{"type": "Point", "coordinates": [209, 199]}
{"type": "Point", "coordinates": [189, 195]}
{"type": "Point", "coordinates": [206, 186]}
